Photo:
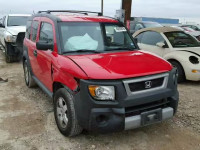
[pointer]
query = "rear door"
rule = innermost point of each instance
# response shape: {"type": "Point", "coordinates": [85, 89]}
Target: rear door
{"type": "Point", "coordinates": [148, 40]}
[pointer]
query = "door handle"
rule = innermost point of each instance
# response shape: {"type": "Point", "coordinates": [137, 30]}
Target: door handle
{"type": "Point", "coordinates": [35, 53]}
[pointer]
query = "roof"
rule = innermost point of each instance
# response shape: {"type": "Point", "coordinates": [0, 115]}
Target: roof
{"type": "Point", "coordinates": [85, 18]}
{"type": "Point", "coordinates": [158, 29]}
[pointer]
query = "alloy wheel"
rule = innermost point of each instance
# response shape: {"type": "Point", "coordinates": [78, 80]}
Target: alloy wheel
{"type": "Point", "coordinates": [62, 112]}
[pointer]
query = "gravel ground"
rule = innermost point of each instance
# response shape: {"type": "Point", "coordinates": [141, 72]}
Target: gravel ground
{"type": "Point", "coordinates": [27, 121]}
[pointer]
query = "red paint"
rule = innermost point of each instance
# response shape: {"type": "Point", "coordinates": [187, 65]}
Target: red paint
{"type": "Point", "coordinates": [120, 65]}
{"type": "Point", "coordinates": [50, 67]}
{"type": "Point", "coordinates": [68, 18]}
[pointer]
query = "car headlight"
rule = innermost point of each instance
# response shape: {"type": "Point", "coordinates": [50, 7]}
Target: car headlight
{"type": "Point", "coordinates": [194, 60]}
{"type": "Point", "coordinates": [10, 38]}
{"type": "Point", "coordinates": [102, 92]}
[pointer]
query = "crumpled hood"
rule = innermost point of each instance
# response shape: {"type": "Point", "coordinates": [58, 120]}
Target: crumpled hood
{"type": "Point", "coordinates": [120, 65]}
{"type": "Point", "coordinates": [14, 30]}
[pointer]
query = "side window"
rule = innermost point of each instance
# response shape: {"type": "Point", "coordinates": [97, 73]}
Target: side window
{"type": "Point", "coordinates": [34, 30]}
{"type": "Point", "coordinates": [152, 38]}
{"type": "Point", "coordinates": [138, 26]}
{"type": "Point", "coordinates": [46, 32]}
{"type": "Point", "coordinates": [28, 29]}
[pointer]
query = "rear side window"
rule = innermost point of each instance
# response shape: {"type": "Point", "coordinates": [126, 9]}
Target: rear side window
{"type": "Point", "coordinates": [152, 38]}
{"type": "Point", "coordinates": [28, 29]}
{"type": "Point", "coordinates": [46, 32]}
{"type": "Point", "coordinates": [34, 30]}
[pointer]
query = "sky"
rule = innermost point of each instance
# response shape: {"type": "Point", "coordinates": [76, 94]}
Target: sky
{"type": "Point", "coordinates": [146, 8]}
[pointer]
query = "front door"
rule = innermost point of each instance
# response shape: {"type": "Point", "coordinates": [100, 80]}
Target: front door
{"type": "Point", "coordinates": [148, 41]}
{"type": "Point", "coordinates": [153, 49]}
{"type": "Point", "coordinates": [44, 58]}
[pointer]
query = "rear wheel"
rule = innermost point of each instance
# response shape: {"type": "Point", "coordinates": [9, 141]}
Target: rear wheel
{"type": "Point", "coordinates": [27, 75]}
{"type": "Point", "coordinates": [181, 73]}
{"type": "Point", "coordinates": [65, 114]}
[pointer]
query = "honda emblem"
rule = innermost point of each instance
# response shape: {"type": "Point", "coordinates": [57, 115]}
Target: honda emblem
{"type": "Point", "coordinates": [148, 84]}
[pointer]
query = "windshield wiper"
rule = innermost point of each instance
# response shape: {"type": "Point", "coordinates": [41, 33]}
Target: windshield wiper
{"type": "Point", "coordinates": [82, 50]}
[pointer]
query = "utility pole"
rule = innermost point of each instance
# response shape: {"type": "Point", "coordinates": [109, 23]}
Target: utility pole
{"type": "Point", "coordinates": [126, 5]}
{"type": "Point", "coordinates": [102, 7]}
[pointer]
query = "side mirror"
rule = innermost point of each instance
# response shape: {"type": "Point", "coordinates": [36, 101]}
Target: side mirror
{"type": "Point", "coordinates": [160, 44]}
{"type": "Point", "coordinates": [43, 45]}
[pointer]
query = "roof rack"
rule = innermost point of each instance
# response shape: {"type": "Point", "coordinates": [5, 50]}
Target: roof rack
{"type": "Point", "coordinates": [71, 11]}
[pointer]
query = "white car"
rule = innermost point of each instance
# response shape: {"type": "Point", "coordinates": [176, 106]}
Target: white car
{"type": "Point", "coordinates": [12, 33]}
{"type": "Point", "coordinates": [179, 48]}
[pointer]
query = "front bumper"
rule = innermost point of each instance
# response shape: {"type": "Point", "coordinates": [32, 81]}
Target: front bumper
{"type": "Point", "coordinates": [127, 110]}
{"type": "Point", "coordinates": [136, 121]}
{"type": "Point", "coordinates": [188, 69]}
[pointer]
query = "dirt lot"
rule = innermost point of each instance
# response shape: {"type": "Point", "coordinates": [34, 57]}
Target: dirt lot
{"type": "Point", "coordinates": [27, 121]}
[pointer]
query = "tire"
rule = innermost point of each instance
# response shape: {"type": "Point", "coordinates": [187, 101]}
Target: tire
{"type": "Point", "coordinates": [9, 59]}
{"type": "Point", "coordinates": [65, 114]}
{"type": "Point", "coordinates": [27, 75]}
{"type": "Point", "coordinates": [181, 73]}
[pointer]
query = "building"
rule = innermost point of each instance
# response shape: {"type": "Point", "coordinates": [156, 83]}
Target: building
{"type": "Point", "coordinates": [163, 21]}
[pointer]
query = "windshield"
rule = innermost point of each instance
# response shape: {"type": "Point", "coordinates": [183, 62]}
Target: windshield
{"type": "Point", "coordinates": [17, 20]}
{"type": "Point", "coordinates": [150, 25]}
{"type": "Point", "coordinates": [180, 39]}
{"type": "Point", "coordinates": [94, 37]}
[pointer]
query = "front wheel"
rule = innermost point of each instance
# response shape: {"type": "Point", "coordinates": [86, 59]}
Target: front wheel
{"type": "Point", "coordinates": [8, 50]}
{"type": "Point", "coordinates": [65, 114]}
{"type": "Point", "coordinates": [181, 73]}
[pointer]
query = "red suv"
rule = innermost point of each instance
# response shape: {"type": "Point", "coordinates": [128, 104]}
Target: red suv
{"type": "Point", "coordinates": [98, 80]}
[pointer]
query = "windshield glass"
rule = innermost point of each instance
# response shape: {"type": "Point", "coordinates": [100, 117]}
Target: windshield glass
{"type": "Point", "coordinates": [180, 39]}
{"type": "Point", "coordinates": [17, 20]}
{"type": "Point", "coordinates": [150, 25]}
{"type": "Point", "coordinates": [94, 37]}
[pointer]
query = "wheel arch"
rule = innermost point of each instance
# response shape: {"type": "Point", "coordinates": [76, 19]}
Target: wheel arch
{"type": "Point", "coordinates": [59, 85]}
{"type": "Point", "coordinates": [172, 59]}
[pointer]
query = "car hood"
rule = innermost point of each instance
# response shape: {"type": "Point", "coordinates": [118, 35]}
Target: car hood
{"type": "Point", "coordinates": [120, 65]}
{"type": "Point", "coordinates": [193, 50]}
{"type": "Point", "coordinates": [14, 30]}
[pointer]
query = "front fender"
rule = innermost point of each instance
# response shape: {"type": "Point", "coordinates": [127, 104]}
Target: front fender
{"type": "Point", "coordinates": [66, 72]}
{"type": "Point", "coordinates": [180, 56]}
{"type": "Point", "coordinates": [183, 58]}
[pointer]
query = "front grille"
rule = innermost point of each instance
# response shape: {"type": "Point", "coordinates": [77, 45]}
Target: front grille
{"type": "Point", "coordinates": [137, 110]}
{"type": "Point", "coordinates": [145, 85]}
